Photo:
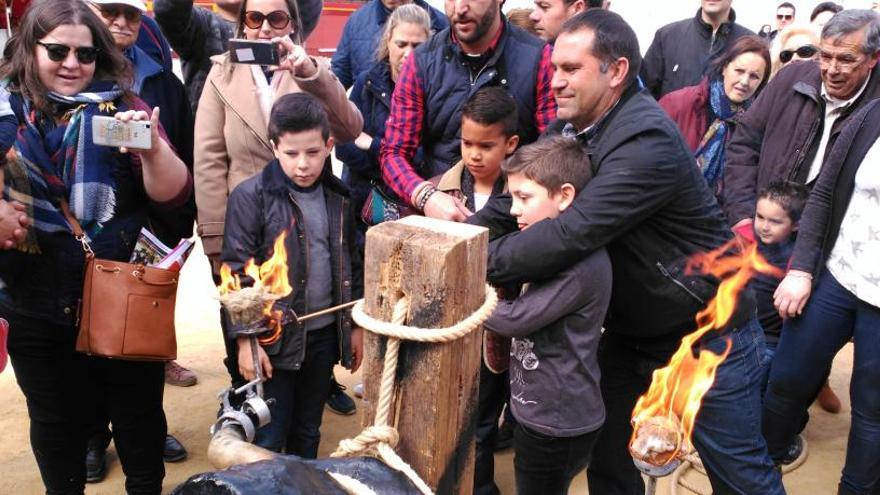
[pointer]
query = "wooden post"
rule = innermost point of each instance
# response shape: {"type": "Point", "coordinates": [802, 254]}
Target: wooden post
{"type": "Point", "coordinates": [441, 267]}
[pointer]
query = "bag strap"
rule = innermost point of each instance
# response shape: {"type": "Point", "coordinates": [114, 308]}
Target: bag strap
{"type": "Point", "coordinates": [78, 231]}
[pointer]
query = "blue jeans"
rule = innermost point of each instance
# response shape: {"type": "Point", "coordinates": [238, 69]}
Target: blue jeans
{"type": "Point", "coordinates": [809, 343]}
{"type": "Point", "coordinates": [299, 398]}
{"type": "Point", "coordinates": [728, 428]}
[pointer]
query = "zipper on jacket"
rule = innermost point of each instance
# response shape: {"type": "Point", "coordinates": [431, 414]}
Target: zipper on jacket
{"type": "Point", "coordinates": [799, 160]}
{"type": "Point", "coordinates": [305, 278]}
{"type": "Point", "coordinates": [340, 323]}
{"type": "Point", "coordinates": [675, 281]}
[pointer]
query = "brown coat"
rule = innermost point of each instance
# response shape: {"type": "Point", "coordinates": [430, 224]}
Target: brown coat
{"type": "Point", "coordinates": [779, 134]}
{"type": "Point", "coordinates": [231, 137]}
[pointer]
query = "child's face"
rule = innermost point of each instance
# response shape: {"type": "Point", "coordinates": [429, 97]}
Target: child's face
{"type": "Point", "coordinates": [533, 202]}
{"type": "Point", "coordinates": [484, 147]}
{"type": "Point", "coordinates": [302, 155]}
{"type": "Point", "coordinates": [772, 223]}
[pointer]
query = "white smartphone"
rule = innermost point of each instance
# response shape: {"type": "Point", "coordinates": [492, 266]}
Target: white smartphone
{"type": "Point", "coordinates": [108, 131]}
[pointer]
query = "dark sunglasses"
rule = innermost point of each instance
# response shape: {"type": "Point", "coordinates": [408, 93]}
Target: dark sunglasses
{"type": "Point", "coordinates": [784, 17]}
{"type": "Point", "coordinates": [111, 12]}
{"type": "Point", "coordinates": [278, 19]}
{"type": "Point", "coordinates": [86, 55]}
{"type": "Point", "coordinates": [805, 51]}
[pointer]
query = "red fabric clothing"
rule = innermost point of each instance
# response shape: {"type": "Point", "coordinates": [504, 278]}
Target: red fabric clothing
{"type": "Point", "coordinates": [687, 107]}
{"type": "Point", "coordinates": [403, 131]}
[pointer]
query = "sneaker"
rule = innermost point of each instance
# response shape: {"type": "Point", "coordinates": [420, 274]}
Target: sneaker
{"type": "Point", "coordinates": [794, 451]}
{"type": "Point", "coordinates": [504, 440]}
{"type": "Point", "coordinates": [96, 463]}
{"type": "Point", "coordinates": [174, 451]}
{"type": "Point", "coordinates": [828, 400]}
{"type": "Point", "coordinates": [338, 401]}
{"type": "Point", "coordinates": [179, 376]}
{"type": "Point", "coordinates": [358, 390]}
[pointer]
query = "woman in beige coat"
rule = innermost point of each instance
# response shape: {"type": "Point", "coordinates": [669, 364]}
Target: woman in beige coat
{"type": "Point", "coordinates": [231, 142]}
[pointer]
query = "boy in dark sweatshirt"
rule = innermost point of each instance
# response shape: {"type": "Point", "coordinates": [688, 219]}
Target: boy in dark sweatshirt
{"type": "Point", "coordinates": [298, 194]}
{"type": "Point", "coordinates": [556, 325]}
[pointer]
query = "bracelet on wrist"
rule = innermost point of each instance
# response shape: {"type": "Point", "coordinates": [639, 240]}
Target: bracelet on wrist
{"type": "Point", "coordinates": [429, 191]}
{"type": "Point", "coordinates": [417, 193]}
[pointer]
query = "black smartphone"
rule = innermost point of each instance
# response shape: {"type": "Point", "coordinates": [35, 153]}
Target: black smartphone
{"type": "Point", "coordinates": [258, 52]}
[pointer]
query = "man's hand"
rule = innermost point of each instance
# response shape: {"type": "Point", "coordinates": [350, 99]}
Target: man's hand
{"type": "Point", "coordinates": [445, 207]}
{"type": "Point", "coordinates": [246, 361]}
{"type": "Point", "coordinates": [13, 223]}
{"type": "Point", "coordinates": [357, 348]}
{"type": "Point", "coordinates": [792, 294]}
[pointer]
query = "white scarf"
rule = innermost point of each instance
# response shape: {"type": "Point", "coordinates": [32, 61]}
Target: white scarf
{"type": "Point", "coordinates": [265, 91]}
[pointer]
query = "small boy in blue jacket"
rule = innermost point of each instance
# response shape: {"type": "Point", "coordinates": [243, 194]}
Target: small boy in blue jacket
{"type": "Point", "coordinates": [298, 194]}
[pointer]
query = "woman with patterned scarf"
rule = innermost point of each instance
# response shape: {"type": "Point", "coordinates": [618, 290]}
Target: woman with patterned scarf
{"type": "Point", "coordinates": [61, 69]}
{"type": "Point", "coordinates": [707, 113]}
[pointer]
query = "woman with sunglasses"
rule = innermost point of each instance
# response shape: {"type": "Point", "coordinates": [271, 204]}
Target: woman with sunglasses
{"type": "Point", "coordinates": [795, 44]}
{"type": "Point", "coordinates": [407, 27]}
{"type": "Point", "coordinates": [707, 113]}
{"type": "Point", "coordinates": [231, 142]}
{"type": "Point", "coordinates": [62, 69]}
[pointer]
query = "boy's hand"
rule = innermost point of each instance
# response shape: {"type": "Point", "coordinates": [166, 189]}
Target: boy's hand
{"type": "Point", "coordinates": [246, 362]}
{"type": "Point", "coordinates": [357, 348]}
{"type": "Point", "coordinates": [792, 294]}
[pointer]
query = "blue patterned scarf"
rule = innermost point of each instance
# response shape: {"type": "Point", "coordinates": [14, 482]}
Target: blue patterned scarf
{"type": "Point", "coordinates": [53, 161]}
{"type": "Point", "coordinates": [710, 153]}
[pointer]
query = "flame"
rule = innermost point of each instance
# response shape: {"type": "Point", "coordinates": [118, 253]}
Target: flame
{"type": "Point", "coordinates": [677, 390]}
{"type": "Point", "coordinates": [271, 276]}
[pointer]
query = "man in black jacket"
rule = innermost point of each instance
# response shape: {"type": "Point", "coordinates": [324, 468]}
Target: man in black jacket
{"type": "Point", "coordinates": [680, 52]}
{"type": "Point", "coordinates": [650, 208]}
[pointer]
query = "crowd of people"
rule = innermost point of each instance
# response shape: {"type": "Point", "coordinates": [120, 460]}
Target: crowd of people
{"type": "Point", "coordinates": [597, 171]}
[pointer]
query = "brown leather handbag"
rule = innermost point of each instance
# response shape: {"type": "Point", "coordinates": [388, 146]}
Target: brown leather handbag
{"type": "Point", "coordinates": [127, 310]}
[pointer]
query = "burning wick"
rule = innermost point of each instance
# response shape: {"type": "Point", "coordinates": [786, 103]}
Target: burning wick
{"type": "Point", "coordinates": [664, 417]}
{"type": "Point", "coordinates": [253, 306]}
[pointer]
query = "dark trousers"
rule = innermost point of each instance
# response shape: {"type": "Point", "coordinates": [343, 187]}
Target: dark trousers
{"type": "Point", "coordinates": [494, 391]}
{"type": "Point", "coordinates": [299, 398]}
{"type": "Point", "coordinates": [546, 465]}
{"type": "Point", "coordinates": [727, 433]}
{"type": "Point", "coordinates": [62, 387]}
{"type": "Point", "coordinates": [808, 345]}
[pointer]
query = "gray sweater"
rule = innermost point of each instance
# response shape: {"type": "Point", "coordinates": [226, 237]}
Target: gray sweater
{"type": "Point", "coordinates": [319, 281]}
{"type": "Point", "coordinates": [556, 325]}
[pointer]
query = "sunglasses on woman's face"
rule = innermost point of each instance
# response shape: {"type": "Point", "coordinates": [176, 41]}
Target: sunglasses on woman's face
{"type": "Point", "coordinates": [111, 12]}
{"type": "Point", "coordinates": [278, 19]}
{"type": "Point", "coordinates": [57, 52]}
{"type": "Point", "coordinates": [806, 51]}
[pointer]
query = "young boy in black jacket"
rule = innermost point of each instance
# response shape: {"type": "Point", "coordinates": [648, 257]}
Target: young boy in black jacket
{"type": "Point", "coordinates": [298, 194]}
{"type": "Point", "coordinates": [556, 325]}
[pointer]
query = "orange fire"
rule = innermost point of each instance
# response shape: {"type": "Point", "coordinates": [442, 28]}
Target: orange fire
{"type": "Point", "coordinates": [271, 277]}
{"type": "Point", "coordinates": [677, 390]}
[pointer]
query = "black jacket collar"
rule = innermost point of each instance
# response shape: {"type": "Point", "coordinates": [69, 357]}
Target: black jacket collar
{"type": "Point", "coordinates": [706, 28]}
{"type": "Point", "coordinates": [276, 182]}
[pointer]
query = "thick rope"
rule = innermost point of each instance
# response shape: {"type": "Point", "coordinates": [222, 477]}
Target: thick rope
{"type": "Point", "coordinates": [381, 438]}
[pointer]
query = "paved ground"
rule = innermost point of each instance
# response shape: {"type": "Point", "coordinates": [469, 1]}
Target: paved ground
{"type": "Point", "coordinates": [191, 410]}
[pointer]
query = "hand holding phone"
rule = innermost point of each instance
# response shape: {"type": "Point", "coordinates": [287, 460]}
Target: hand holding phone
{"type": "Point", "coordinates": [133, 130]}
{"type": "Point", "coordinates": [297, 61]}
{"type": "Point", "coordinates": [259, 52]}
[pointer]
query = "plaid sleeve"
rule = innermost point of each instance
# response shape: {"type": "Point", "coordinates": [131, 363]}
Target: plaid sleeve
{"type": "Point", "coordinates": [545, 103]}
{"type": "Point", "coordinates": [403, 132]}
